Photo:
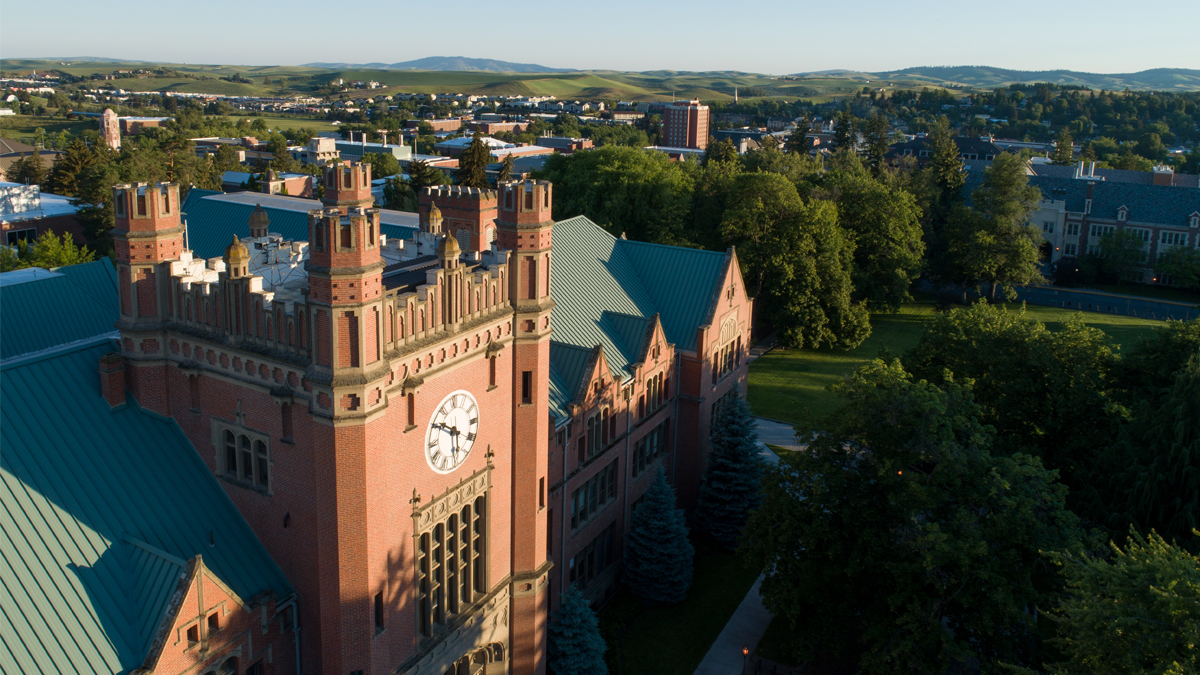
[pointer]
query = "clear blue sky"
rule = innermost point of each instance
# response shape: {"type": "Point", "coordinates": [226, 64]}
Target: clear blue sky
{"type": "Point", "coordinates": [770, 36]}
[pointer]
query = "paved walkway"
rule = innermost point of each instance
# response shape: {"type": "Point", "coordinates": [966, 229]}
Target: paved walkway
{"type": "Point", "coordinates": [775, 433]}
{"type": "Point", "coordinates": [762, 347]}
{"type": "Point", "coordinates": [745, 629]}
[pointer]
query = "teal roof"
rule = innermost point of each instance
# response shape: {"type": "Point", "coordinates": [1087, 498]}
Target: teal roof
{"type": "Point", "coordinates": [211, 222]}
{"type": "Point", "coordinates": [567, 364]}
{"type": "Point", "coordinates": [607, 291]}
{"type": "Point", "coordinates": [44, 309]}
{"type": "Point", "coordinates": [99, 509]}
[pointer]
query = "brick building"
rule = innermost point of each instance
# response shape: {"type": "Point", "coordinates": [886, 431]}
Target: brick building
{"type": "Point", "coordinates": [685, 125]}
{"type": "Point", "coordinates": [429, 438]}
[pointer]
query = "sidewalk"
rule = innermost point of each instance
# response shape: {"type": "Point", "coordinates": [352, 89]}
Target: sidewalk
{"type": "Point", "coordinates": [745, 629]}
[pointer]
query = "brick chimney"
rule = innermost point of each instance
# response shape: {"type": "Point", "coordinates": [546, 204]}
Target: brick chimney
{"type": "Point", "coordinates": [112, 379]}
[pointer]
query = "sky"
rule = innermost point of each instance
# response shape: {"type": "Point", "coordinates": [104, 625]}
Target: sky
{"type": "Point", "coordinates": [770, 36]}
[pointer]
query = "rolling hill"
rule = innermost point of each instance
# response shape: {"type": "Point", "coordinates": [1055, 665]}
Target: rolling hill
{"type": "Point", "coordinates": [454, 63]}
{"type": "Point", "coordinates": [1161, 79]}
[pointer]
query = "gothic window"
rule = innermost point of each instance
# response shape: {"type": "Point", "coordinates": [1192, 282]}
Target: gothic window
{"type": "Point", "coordinates": [243, 455]}
{"type": "Point", "coordinates": [451, 557]}
{"type": "Point", "coordinates": [591, 497]}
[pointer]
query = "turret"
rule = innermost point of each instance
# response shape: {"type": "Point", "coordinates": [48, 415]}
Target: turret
{"type": "Point", "coordinates": [345, 275]}
{"type": "Point", "coordinates": [524, 225]}
{"type": "Point", "coordinates": [147, 236]}
{"type": "Point", "coordinates": [147, 232]}
{"type": "Point", "coordinates": [260, 222]}
{"type": "Point", "coordinates": [347, 186]}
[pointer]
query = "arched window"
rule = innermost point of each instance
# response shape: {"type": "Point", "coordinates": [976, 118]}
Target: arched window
{"type": "Point", "coordinates": [230, 453]}
{"type": "Point", "coordinates": [247, 455]}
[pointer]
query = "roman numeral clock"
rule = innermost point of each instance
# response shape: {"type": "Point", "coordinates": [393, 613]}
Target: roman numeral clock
{"type": "Point", "coordinates": [452, 431]}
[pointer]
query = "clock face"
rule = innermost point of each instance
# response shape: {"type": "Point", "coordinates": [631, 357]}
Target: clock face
{"type": "Point", "coordinates": [452, 432]}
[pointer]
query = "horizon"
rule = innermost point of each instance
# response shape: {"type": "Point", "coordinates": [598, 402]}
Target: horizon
{"type": "Point", "coordinates": [366, 65]}
{"type": "Point", "coordinates": [633, 37]}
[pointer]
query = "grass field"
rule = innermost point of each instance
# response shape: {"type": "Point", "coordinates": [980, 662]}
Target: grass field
{"type": "Point", "coordinates": [790, 385]}
{"type": "Point", "coordinates": [673, 639]}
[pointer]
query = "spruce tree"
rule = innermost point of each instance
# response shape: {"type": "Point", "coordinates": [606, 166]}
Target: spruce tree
{"type": "Point", "coordinates": [472, 164]}
{"type": "Point", "coordinates": [1064, 153]}
{"type": "Point", "coordinates": [506, 169]}
{"type": "Point", "coordinates": [576, 647]}
{"type": "Point", "coordinates": [798, 142]}
{"type": "Point", "coordinates": [658, 555]}
{"type": "Point", "coordinates": [731, 483]}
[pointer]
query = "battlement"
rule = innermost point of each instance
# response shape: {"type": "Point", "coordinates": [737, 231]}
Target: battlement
{"type": "Point", "coordinates": [458, 196]}
{"type": "Point", "coordinates": [146, 207]}
{"type": "Point", "coordinates": [525, 203]}
{"type": "Point", "coordinates": [347, 185]}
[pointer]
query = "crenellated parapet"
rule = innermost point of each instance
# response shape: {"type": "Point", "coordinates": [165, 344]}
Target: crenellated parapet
{"type": "Point", "coordinates": [468, 214]}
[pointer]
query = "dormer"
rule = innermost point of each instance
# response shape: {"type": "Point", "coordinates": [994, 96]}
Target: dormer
{"type": "Point", "coordinates": [1194, 219]}
{"type": "Point", "coordinates": [1122, 213]}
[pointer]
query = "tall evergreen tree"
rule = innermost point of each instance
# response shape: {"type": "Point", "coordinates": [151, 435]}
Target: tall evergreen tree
{"type": "Point", "coordinates": [876, 131]}
{"type": "Point", "coordinates": [64, 175]}
{"type": "Point", "coordinates": [507, 166]}
{"type": "Point", "coordinates": [1063, 154]}
{"type": "Point", "coordinates": [30, 170]}
{"type": "Point", "coordinates": [731, 483]}
{"type": "Point", "coordinates": [658, 555]}
{"type": "Point", "coordinates": [798, 142]}
{"type": "Point", "coordinates": [945, 165]}
{"type": "Point", "coordinates": [576, 647]}
{"type": "Point", "coordinates": [843, 131]}
{"type": "Point", "coordinates": [421, 175]}
{"type": "Point", "coordinates": [472, 164]}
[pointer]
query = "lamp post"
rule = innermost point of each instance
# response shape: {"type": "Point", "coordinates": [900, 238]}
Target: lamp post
{"type": "Point", "coordinates": [745, 656]}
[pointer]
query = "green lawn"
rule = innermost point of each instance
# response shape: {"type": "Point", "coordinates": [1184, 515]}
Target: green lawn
{"type": "Point", "coordinates": [673, 639]}
{"type": "Point", "coordinates": [789, 385]}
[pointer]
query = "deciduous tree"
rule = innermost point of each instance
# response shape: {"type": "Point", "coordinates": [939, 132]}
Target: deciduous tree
{"type": "Point", "coordinates": [1045, 392]}
{"type": "Point", "coordinates": [1132, 612]}
{"type": "Point", "coordinates": [898, 541]}
{"type": "Point", "coordinates": [885, 229]}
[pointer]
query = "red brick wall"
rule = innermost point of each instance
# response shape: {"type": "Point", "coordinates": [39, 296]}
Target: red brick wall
{"type": "Point", "coordinates": [240, 635]}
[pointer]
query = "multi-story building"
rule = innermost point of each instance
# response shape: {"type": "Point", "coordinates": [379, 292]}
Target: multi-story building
{"type": "Point", "coordinates": [1076, 211]}
{"type": "Point", "coordinates": [685, 125]}
{"type": "Point", "coordinates": [429, 442]}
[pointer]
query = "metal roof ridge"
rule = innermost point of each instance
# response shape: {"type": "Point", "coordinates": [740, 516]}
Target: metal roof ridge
{"type": "Point", "coordinates": [671, 246]}
{"type": "Point", "coordinates": [57, 350]}
{"type": "Point", "coordinates": [175, 560]}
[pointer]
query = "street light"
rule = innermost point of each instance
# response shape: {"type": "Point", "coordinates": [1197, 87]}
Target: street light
{"type": "Point", "coordinates": [745, 655]}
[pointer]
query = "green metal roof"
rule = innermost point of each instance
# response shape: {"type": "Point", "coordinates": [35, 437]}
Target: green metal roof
{"type": "Point", "coordinates": [44, 309]}
{"type": "Point", "coordinates": [211, 222]}
{"type": "Point", "coordinates": [607, 291]}
{"type": "Point", "coordinates": [567, 363]}
{"type": "Point", "coordinates": [99, 509]}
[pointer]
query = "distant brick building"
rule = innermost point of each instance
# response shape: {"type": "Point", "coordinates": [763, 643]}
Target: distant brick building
{"type": "Point", "coordinates": [685, 125]}
{"type": "Point", "coordinates": [449, 124]}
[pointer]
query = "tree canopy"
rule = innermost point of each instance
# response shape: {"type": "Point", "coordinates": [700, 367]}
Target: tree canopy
{"type": "Point", "coordinates": [898, 542]}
